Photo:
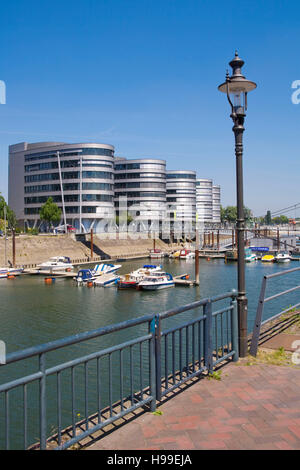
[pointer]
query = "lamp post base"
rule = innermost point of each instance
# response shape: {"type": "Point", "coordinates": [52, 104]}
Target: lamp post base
{"type": "Point", "coordinates": [242, 304]}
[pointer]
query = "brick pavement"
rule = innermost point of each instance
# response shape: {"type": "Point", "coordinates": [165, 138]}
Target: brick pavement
{"type": "Point", "coordinates": [251, 407]}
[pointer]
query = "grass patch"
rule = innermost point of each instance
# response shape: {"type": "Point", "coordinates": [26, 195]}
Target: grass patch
{"type": "Point", "coordinates": [279, 357]}
{"type": "Point", "coordinates": [157, 413]}
{"type": "Point", "coordinates": [216, 375]}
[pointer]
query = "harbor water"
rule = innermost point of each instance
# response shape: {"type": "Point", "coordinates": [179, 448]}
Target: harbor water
{"type": "Point", "coordinates": [32, 313]}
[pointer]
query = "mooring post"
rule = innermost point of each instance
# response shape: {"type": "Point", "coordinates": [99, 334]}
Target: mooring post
{"type": "Point", "coordinates": [14, 247]}
{"type": "Point", "coordinates": [197, 281]}
{"type": "Point", "coordinates": [92, 243]}
{"type": "Point", "coordinates": [218, 239]}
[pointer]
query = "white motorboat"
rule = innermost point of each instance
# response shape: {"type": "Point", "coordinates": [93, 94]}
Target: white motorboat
{"type": "Point", "coordinates": [8, 271]}
{"type": "Point", "coordinates": [250, 256]}
{"type": "Point", "coordinates": [282, 257]}
{"type": "Point", "coordinates": [186, 254]}
{"type": "Point", "coordinates": [56, 263]}
{"type": "Point", "coordinates": [132, 279]}
{"type": "Point", "coordinates": [104, 268]}
{"type": "Point", "coordinates": [84, 276]}
{"type": "Point", "coordinates": [155, 254]}
{"type": "Point", "coordinates": [157, 281]}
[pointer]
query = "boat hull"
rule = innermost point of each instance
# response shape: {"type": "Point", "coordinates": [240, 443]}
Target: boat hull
{"type": "Point", "coordinates": [156, 287]}
{"type": "Point", "coordinates": [127, 285]}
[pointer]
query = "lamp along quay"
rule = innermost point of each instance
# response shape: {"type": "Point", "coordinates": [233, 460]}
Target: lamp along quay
{"type": "Point", "coordinates": [236, 88]}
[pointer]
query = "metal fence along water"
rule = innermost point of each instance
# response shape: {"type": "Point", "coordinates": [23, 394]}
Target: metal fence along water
{"type": "Point", "coordinates": [63, 403]}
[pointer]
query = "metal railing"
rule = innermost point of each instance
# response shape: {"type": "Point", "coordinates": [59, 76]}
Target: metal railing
{"type": "Point", "coordinates": [261, 303]}
{"type": "Point", "coordinates": [136, 373]}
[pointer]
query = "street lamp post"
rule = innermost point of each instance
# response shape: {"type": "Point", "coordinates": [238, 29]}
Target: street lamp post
{"type": "Point", "coordinates": [236, 87]}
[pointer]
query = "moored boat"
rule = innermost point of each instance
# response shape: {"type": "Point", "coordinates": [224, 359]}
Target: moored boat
{"type": "Point", "coordinates": [268, 259]}
{"type": "Point", "coordinates": [84, 275]}
{"type": "Point", "coordinates": [250, 256]}
{"type": "Point", "coordinates": [132, 279]}
{"type": "Point", "coordinates": [184, 254]}
{"type": "Point", "coordinates": [282, 257]}
{"type": "Point", "coordinates": [157, 281]}
{"type": "Point", "coordinates": [105, 268]}
{"type": "Point", "coordinates": [9, 271]}
{"type": "Point", "coordinates": [56, 263]}
{"type": "Point", "coordinates": [155, 253]}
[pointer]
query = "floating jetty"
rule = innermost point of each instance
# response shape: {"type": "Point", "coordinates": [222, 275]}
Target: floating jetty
{"type": "Point", "coordinates": [50, 273]}
{"type": "Point", "coordinates": [106, 280]}
{"type": "Point", "coordinates": [183, 280]}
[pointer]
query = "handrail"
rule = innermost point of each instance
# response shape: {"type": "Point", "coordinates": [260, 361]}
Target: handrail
{"type": "Point", "coordinates": [201, 344]}
{"type": "Point", "coordinates": [260, 307]}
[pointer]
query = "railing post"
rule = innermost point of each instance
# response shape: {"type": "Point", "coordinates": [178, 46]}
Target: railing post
{"type": "Point", "coordinates": [258, 318]}
{"type": "Point", "coordinates": [43, 424]}
{"type": "Point", "coordinates": [152, 329]}
{"type": "Point", "coordinates": [158, 357]}
{"type": "Point", "coordinates": [208, 345]}
{"type": "Point", "coordinates": [234, 329]}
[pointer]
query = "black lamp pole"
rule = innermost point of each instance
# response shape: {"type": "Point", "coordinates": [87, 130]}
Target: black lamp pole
{"type": "Point", "coordinates": [237, 86]}
{"type": "Point", "coordinates": [242, 301]}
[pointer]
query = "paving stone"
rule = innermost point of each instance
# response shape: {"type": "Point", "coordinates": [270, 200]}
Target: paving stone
{"type": "Point", "coordinates": [252, 407]}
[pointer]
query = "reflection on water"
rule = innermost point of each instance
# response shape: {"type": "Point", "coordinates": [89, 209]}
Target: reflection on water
{"type": "Point", "coordinates": [32, 312]}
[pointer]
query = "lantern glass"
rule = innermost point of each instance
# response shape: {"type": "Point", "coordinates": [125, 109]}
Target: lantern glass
{"type": "Point", "coordinates": [239, 102]}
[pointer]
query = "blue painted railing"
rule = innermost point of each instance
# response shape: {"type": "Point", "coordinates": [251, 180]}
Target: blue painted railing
{"type": "Point", "coordinates": [116, 380]}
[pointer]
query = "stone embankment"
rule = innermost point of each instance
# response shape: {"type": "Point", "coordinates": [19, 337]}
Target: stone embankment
{"type": "Point", "coordinates": [33, 249]}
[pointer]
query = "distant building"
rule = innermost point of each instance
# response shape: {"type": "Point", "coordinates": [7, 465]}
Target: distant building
{"type": "Point", "coordinates": [88, 183]}
{"type": "Point", "coordinates": [208, 201]}
{"type": "Point", "coordinates": [79, 178]}
{"type": "Point", "coordinates": [143, 182]}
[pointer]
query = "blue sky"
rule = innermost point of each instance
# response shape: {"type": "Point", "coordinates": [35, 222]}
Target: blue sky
{"type": "Point", "coordinates": [143, 76]}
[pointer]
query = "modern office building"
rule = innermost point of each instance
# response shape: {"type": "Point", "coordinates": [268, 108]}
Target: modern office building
{"type": "Point", "coordinates": [216, 204]}
{"type": "Point", "coordinates": [143, 182]}
{"type": "Point", "coordinates": [89, 184]}
{"type": "Point", "coordinates": [204, 201]}
{"type": "Point", "coordinates": [79, 178]}
{"type": "Point", "coordinates": [181, 195]}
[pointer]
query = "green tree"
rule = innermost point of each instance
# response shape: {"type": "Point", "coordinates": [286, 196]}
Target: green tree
{"type": "Point", "coordinates": [50, 212]}
{"type": "Point", "coordinates": [229, 214]}
{"type": "Point", "coordinates": [282, 219]}
{"type": "Point", "coordinates": [268, 218]}
{"type": "Point", "coordinates": [11, 219]}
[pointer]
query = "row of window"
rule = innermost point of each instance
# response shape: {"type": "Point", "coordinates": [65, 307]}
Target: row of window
{"type": "Point", "coordinates": [137, 166]}
{"type": "Point", "coordinates": [69, 175]}
{"type": "Point", "coordinates": [68, 187]}
{"type": "Point", "coordinates": [68, 209]}
{"type": "Point", "coordinates": [64, 164]}
{"type": "Point", "coordinates": [141, 194]}
{"type": "Point", "coordinates": [131, 176]}
{"type": "Point", "coordinates": [69, 198]}
{"type": "Point", "coordinates": [180, 176]}
{"type": "Point", "coordinates": [140, 185]}
{"type": "Point", "coordinates": [69, 153]}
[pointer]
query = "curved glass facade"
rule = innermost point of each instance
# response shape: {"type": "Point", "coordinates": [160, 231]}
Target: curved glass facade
{"type": "Point", "coordinates": [204, 201]}
{"type": "Point", "coordinates": [145, 190]}
{"type": "Point", "coordinates": [86, 181]}
{"type": "Point", "coordinates": [181, 195]}
{"type": "Point", "coordinates": [79, 178]}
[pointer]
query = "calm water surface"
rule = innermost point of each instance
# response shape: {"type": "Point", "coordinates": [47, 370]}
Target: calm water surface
{"type": "Point", "coordinates": [32, 312]}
